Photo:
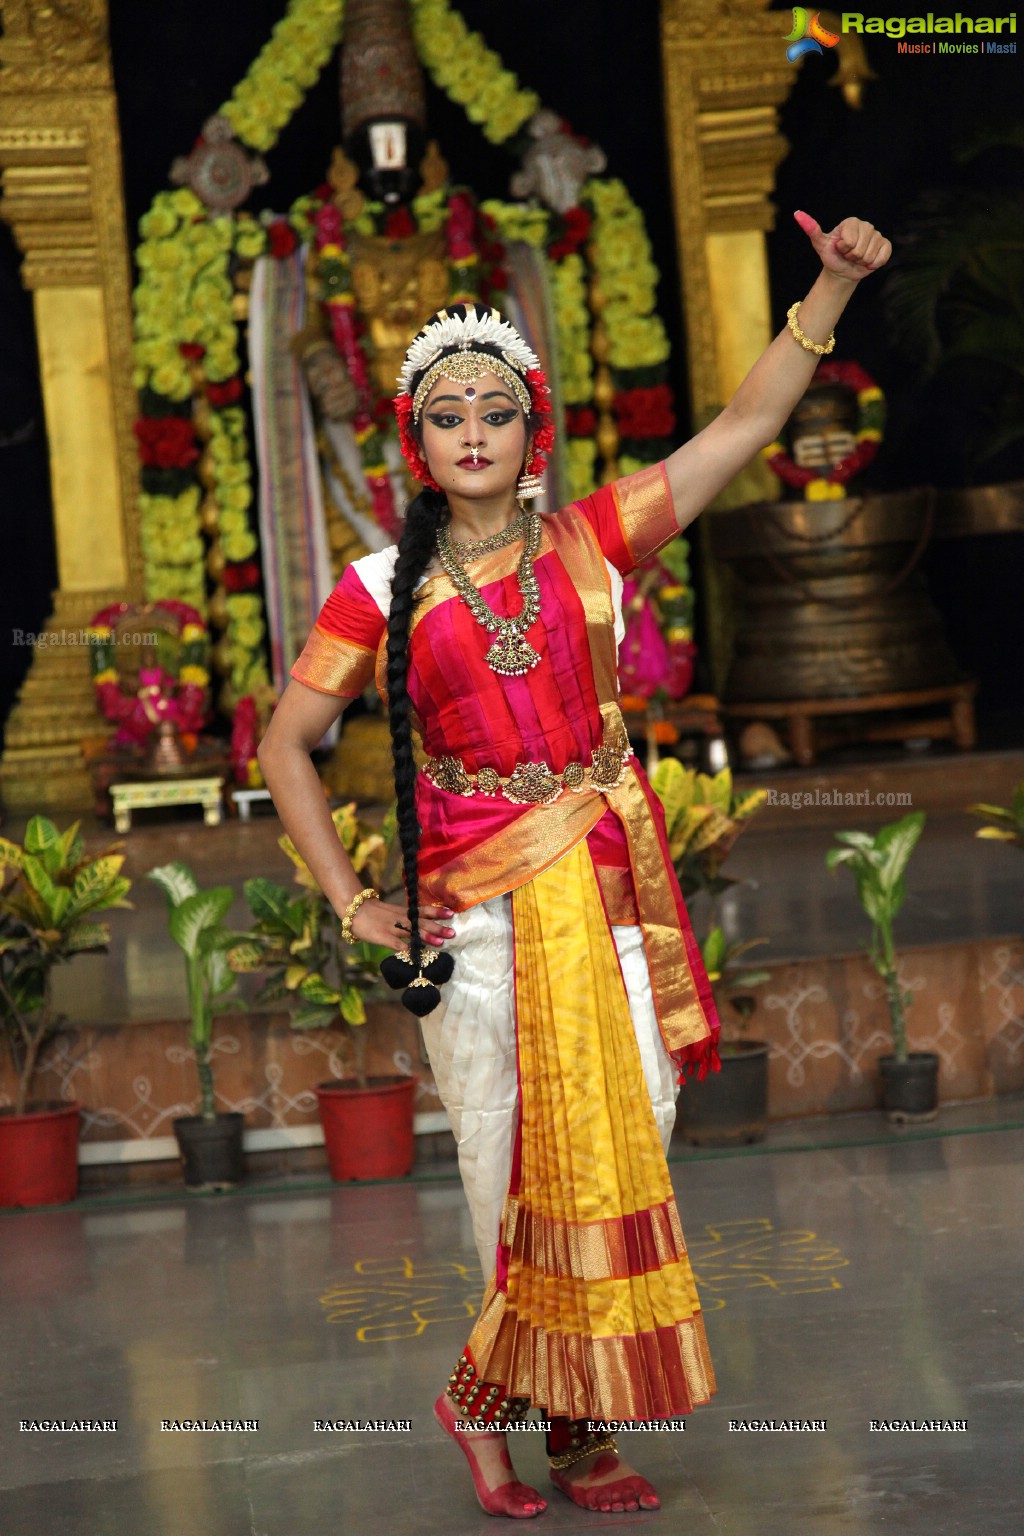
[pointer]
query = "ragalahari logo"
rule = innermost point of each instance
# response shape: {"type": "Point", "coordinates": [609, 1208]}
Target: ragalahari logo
{"type": "Point", "coordinates": [808, 36]}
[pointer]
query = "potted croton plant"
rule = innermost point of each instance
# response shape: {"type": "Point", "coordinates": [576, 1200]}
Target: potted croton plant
{"type": "Point", "coordinates": [51, 892]}
{"type": "Point", "coordinates": [703, 818]}
{"type": "Point", "coordinates": [295, 938]}
{"type": "Point", "coordinates": [210, 1143]}
{"type": "Point", "coordinates": [1005, 822]}
{"type": "Point", "coordinates": [877, 863]}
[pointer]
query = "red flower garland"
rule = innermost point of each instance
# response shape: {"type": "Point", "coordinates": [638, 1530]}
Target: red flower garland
{"type": "Point", "coordinates": [580, 421]}
{"type": "Point", "coordinates": [243, 576]}
{"type": "Point", "coordinates": [460, 229]}
{"type": "Point", "coordinates": [645, 412]}
{"type": "Point", "coordinates": [494, 278]}
{"type": "Point", "coordinates": [798, 476]}
{"type": "Point", "coordinates": [412, 453]}
{"type": "Point", "coordinates": [166, 442]}
{"type": "Point", "coordinates": [221, 395]}
{"type": "Point", "coordinates": [281, 239]}
{"type": "Point", "coordinates": [399, 224]}
{"type": "Point", "coordinates": [577, 224]}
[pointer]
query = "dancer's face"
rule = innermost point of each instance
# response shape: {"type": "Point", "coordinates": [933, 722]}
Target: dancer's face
{"type": "Point", "coordinates": [485, 416]}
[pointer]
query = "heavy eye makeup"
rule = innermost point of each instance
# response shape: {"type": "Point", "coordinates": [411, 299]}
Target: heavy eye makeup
{"type": "Point", "coordinates": [448, 419]}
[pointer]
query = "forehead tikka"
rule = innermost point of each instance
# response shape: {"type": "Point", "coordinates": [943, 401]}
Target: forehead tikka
{"type": "Point", "coordinates": [465, 368]}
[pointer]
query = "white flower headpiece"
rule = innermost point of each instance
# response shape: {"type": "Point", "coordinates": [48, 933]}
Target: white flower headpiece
{"type": "Point", "coordinates": [466, 334]}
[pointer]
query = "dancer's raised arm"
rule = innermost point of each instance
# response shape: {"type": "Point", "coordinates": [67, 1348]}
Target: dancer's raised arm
{"type": "Point", "coordinates": [762, 404]}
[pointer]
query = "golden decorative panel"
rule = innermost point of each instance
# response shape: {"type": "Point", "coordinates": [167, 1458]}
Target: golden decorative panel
{"type": "Point", "coordinates": [726, 74]}
{"type": "Point", "coordinates": [60, 191]}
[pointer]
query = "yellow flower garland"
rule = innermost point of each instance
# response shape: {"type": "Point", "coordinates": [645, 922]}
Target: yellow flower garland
{"type": "Point", "coordinates": [621, 254]}
{"type": "Point", "coordinates": [172, 548]}
{"type": "Point", "coordinates": [568, 280]}
{"type": "Point", "coordinates": [285, 69]}
{"type": "Point", "coordinates": [470, 73]}
{"type": "Point", "coordinates": [185, 294]}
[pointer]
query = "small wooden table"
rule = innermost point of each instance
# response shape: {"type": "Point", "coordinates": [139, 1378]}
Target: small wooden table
{"type": "Point", "coordinates": [805, 740]}
{"type": "Point", "coordinates": [147, 794]}
{"type": "Point", "coordinates": [697, 715]}
{"type": "Point", "coordinates": [242, 800]}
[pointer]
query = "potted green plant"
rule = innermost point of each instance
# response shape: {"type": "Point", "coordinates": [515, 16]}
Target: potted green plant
{"type": "Point", "coordinates": [210, 1143]}
{"type": "Point", "coordinates": [295, 938]}
{"type": "Point", "coordinates": [51, 891]}
{"type": "Point", "coordinates": [877, 863]}
{"type": "Point", "coordinates": [1006, 822]}
{"type": "Point", "coordinates": [704, 817]}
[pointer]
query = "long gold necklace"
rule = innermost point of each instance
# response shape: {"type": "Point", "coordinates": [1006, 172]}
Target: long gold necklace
{"type": "Point", "coordinates": [511, 655]}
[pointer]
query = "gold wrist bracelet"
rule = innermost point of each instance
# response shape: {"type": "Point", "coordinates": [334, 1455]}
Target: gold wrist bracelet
{"type": "Point", "coordinates": [352, 909]}
{"type": "Point", "coordinates": [823, 348]}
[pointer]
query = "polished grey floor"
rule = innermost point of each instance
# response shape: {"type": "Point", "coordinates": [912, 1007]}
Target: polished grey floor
{"type": "Point", "coordinates": [849, 1273]}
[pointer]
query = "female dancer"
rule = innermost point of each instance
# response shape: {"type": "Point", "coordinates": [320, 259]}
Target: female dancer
{"type": "Point", "coordinates": [534, 850]}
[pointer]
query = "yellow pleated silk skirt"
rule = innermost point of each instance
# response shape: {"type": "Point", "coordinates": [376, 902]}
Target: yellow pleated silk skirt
{"type": "Point", "coordinates": [592, 1310]}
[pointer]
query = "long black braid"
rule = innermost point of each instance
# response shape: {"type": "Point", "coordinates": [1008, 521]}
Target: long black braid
{"type": "Point", "coordinates": [415, 547]}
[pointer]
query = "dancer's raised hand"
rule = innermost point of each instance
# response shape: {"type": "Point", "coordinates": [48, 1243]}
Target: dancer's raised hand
{"type": "Point", "coordinates": [852, 250]}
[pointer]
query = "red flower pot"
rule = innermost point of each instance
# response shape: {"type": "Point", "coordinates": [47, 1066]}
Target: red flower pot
{"type": "Point", "coordinates": [39, 1155]}
{"type": "Point", "coordinates": [368, 1131]}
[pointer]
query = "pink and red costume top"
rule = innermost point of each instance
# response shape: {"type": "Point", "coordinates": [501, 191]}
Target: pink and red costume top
{"type": "Point", "coordinates": [475, 846]}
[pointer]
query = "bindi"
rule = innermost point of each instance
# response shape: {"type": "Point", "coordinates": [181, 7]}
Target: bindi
{"type": "Point", "coordinates": [470, 395]}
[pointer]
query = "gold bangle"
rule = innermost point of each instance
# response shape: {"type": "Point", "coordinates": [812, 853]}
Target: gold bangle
{"type": "Point", "coordinates": [823, 348]}
{"type": "Point", "coordinates": [352, 909]}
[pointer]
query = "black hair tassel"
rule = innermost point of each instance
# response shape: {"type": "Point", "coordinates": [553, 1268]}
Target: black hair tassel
{"type": "Point", "coordinates": [420, 995]}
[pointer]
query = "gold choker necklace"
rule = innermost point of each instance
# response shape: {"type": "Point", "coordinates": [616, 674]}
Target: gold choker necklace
{"type": "Point", "coordinates": [511, 655]}
{"type": "Point", "coordinates": [516, 529]}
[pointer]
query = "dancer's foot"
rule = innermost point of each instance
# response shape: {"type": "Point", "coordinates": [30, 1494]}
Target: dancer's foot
{"type": "Point", "coordinates": [604, 1481]}
{"type": "Point", "coordinates": [490, 1464]}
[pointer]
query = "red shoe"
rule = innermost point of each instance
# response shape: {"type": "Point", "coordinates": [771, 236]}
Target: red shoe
{"type": "Point", "coordinates": [517, 1500]}
{"type": "Point", "coordinates": [607, 1497]}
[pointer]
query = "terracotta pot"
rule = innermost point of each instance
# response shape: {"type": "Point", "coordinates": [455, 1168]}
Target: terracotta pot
{"type": "Point", "coordinates": [368, 1131]}
{"type": "Point", "coordinates": [39, 1155]}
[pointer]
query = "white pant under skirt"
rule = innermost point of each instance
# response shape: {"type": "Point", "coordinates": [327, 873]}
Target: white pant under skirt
{"type": "Point", "coordinates": [471, 1044]}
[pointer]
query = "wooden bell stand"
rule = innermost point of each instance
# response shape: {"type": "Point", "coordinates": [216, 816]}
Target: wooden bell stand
{"type": "Point", "coordinates": [950, 717]}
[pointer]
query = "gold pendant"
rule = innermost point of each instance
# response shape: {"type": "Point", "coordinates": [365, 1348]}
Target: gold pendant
{"type": "Point", "coordinates": [511, 655]}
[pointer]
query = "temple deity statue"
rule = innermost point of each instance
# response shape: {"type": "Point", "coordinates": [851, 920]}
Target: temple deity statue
{"type": "Point", "coordinates": [330, 320]}
{"type": "Point", "coordinates": [823, 426]}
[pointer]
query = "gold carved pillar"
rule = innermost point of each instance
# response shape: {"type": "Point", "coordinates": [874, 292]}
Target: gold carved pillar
{"type": "Point", "coordinates": [726, 73]}
{"type": "Point", "coordinates": [60, 179]}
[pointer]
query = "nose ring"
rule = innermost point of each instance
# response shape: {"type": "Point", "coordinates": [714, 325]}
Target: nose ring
{"type": "Point", "coordinates": [474, 452]}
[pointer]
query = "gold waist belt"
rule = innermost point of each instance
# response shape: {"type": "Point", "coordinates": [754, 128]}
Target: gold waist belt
{"type": "Point", "coordinates": [532, 783]}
